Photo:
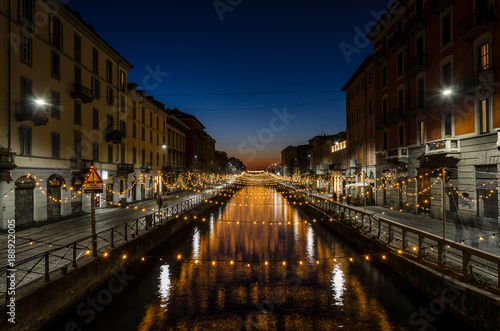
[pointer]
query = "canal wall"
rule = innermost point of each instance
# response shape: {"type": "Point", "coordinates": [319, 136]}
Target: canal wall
{"type": "Point", "coordinates": [476, 306]}
{"type": "Point", "coordinates": [37, 306]}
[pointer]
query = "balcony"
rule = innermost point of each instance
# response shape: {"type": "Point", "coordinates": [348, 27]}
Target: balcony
{"type": "Point", "coordinates": [397, 41]}
{"type": "Point", "coordinates": [146, 167]}
{"type": "Point", "coordinates": [31, 112]}
{"type": "Point", "coordinates": [81, 92]}
{"type": "Point", "coordinates": [124, 169]}
{"type": "Point", "coordinates": [443, 146]}
{"type": "Point", "coordinates": [475, 25]}
{"type": "Point", "coordinates": [438, 5]}
{"type": "Point", "coordinates": [81, 165]}
{"type": "Point", "coordinates": [114, 136]}
{"type": "Point", "coordinates": [416, 23]}
{"type": "Point", "coordinates": [418, 65]}
{"type": "Point", "coordinates": [397, 154]}
{"type": "Point", "coordinates": [7, 159]}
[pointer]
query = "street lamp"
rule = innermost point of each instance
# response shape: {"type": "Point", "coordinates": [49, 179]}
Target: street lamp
{"type": "Point", "coordinates": [40, 102]}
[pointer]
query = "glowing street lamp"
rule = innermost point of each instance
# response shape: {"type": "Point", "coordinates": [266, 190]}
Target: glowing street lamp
{"type": "Point", "coordinates": [447, 92]}
{"type": "Point", "coordinates": [40, 102]}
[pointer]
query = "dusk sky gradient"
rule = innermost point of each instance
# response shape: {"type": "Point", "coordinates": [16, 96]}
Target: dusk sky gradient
{"type": "Point", "coordinates": [271, 46]}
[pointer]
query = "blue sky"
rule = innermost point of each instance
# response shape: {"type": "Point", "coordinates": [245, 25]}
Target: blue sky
{"type": "Point", "coordinates": [259, 46]}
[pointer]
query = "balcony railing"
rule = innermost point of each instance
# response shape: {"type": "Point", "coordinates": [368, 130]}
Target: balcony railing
{"type": "Point", "coordinates": [400, 153]}
{"type": "Point", "coordinates": [124, 168]}
{"type": "Point", "coordinates": [81, 165]}
{"type": "Point", "coordinates": [475, 25]}
{"type": "Point", "coordinates": [81, 92]}
{"type": "Point", "coordinates": [443, 146]}
{"type": "Point", "coordinates": [438, 5]}
{"type": "Point", "coordinates": [31, 112]}
{"type": "Point", "coordinates": [7, 159]}
{"type": "Point", "coordinates": [114, 136]}
{"type": "Point", "coordinates": [146, 167]}
{"type": "Point", "coordinates": [418, 65]}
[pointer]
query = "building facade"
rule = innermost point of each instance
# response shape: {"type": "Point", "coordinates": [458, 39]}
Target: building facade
{"type": "Point", "coordinates": [434, 74]}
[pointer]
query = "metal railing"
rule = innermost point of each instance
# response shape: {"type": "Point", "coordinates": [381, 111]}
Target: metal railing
{"type": "Point", "coordinates": [68, 256]}
{"type": "Point", "coordinates": [465, 260]}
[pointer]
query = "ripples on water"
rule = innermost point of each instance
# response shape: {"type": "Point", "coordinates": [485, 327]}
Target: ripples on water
{"type": "Point", "coordinates": [300, 288]}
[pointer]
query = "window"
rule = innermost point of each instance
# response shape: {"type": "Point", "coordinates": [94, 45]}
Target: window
{"type": "Point", "coordinates": [25, 140]}
{"type": "Point", "coordinates": [484, 57]}
{"type": "Point", "coordinates": [134, 156]}
{"type": "Point", "coordinates": [55, 144]}
{"type": "Point", "coordinates": [385, 111]}
{"type": "Point", "coordinates": [157, 139]}
{"type": "Point", "coordinates": [484, 116]}
{"type": "Point", "coordinates": [26, 93]}
{"type": "Point", "coordinates": [109, 71]}
{"type": "Point", "coordinates": [95, 151]}
{"type": "Point", "coordinates": [95, 61]}
{"type": "Point", "coordinates": [370, 78]}
{"type": "Point", "coordinates": [143, 157]}
{"type": "Point", "coordinates": [26, 13]}
{"type": "Point", "coordinates": [134, 110]}
{"type": "Point", "coordinates": [157, 159]}
{"type": "Point", "coordinates": [158, 123]}
{"type": "Point", "coordinates": [401, 103]}
{"type": "Point", "coordinates": [384, 76]}
{"type": "Point", "coordinates": [151, 157]}
{"type": "Point", "coordinates": [110, 123]}
{"type": "Point", "coordinates": [150, 136]}
{"type": "Point", "coordinates": [55, 65]}
{"type": "Point", "coordinates": [385, 140]}
{"type": "Point", "coordinates": [122, 103]}
{"type": "Point", "coordinates": [134, 128]}
{"type": "Point", "coordinates": [26, 49]}
{"type": "Point", "coordinates": [78, 113]}
{"type": "Point", "coordinates": [447, 119]}
{"type": "Point", "coordinates": [143, 115]}
{"type": "Point", "coordinates": [370, 107]}
{"type": "Point", "coordinates": [401, 136]}
{"type": "Point", "coordinates": [421, 132]}
{"type": "Point", "coordinates": [55, 32]}
{"type": "Point", "coordinates": [123, 128]}
{"type": "Point", "coordinates": [400, 63]}
{"type": "Point", "coordinates": [362, 85]}
{"type": "Point", "coordinates": [445, 30]}
{"type": "Point", "coordinates": [95, 119]}
{"type": "Point", "coordinates": [110, 153]}
{"type": "Point", "coordinates": [151, 119]}
{"type": "Point", "coordinates": [78, 75]}
{"type": "Point", "coordinates": [143, 134]}
{"type": "Point", "coordinates": [78, 145]}
{"type": "Point", "coordinates": [95, 85]}
{"type": "Point", "coordinates": [420, 94]}
{"type": "Point", "coordinates": [110, 96]}
{"type": "Point", "coordinates": [77, 48]}
{"type": "Point", "coordinates": [446, 75]}
{"type": "Point", "coordinates": [55, 104]}
{"type": "Point", "coordinates": [123, 81]}
{"type": "Point", "coordinates": [419, 49]}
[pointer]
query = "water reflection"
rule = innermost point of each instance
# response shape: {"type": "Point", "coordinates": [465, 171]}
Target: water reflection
{"type": "Point", "coordinates": [299, 288]}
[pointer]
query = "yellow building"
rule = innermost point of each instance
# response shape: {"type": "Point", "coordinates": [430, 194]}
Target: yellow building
{"type": "Point", "coordinates": [63, 108]}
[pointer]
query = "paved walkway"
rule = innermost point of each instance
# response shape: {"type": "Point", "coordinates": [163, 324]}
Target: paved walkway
{"type": "Point", "coordinates": [454, 231]}
{"type": "Point", "coordinates": [51, 234]}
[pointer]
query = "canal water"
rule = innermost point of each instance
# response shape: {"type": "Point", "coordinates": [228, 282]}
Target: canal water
{"type": "Point", "coordinates": [261, 264]}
